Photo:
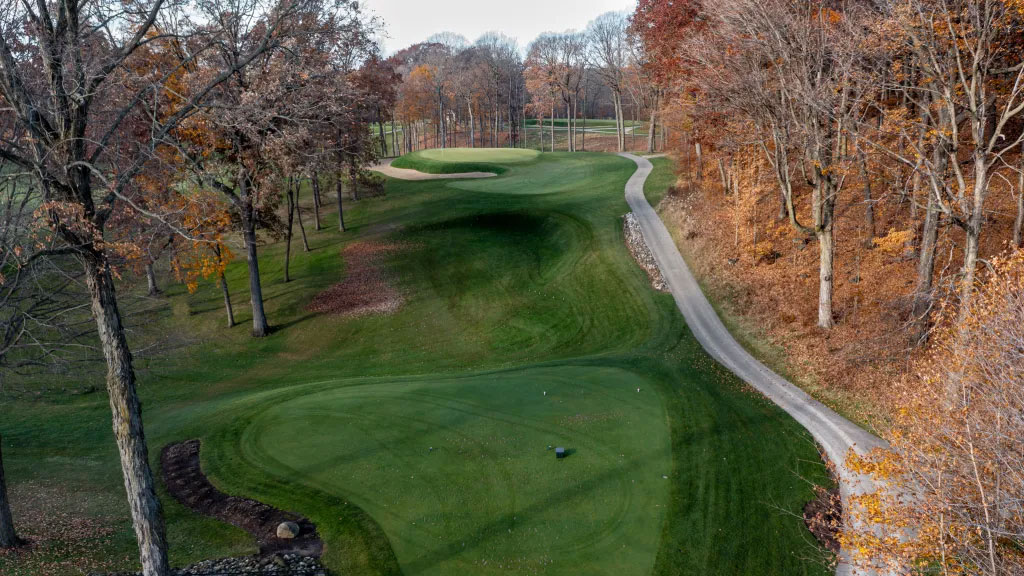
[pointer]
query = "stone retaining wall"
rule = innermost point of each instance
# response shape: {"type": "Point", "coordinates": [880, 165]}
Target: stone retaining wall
{"type": "Point", "coordinates": [641, 253]}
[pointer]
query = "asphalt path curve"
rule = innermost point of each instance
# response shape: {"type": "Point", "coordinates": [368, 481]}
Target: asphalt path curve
{"type": "Point", "coordinates": [836, 435]}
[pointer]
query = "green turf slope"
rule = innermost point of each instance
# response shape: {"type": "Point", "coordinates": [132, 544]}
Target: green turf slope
{"type": "Point", "coordinates": [455, 160]}
{"type": "Point", "coordinates": [514, 286]}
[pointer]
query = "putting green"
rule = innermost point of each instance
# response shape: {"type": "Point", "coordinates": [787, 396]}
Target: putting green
{"type": "Point", "coordinates": [462, 476]}
{"type": "Point", "coordinates": [497, 155]}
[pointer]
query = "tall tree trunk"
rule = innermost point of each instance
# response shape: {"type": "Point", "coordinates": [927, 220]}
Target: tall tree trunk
{"type": "Point", "coordinates": [223, 281]}
{"type": "Point", "coordinates": [552, 126]}
{"type": "Point", "coordinates": [290, 199]}
{"type": "Point", "coordinates": [926, 270]}
{"type": "Point", "coordinates": [971, 246]}
{"type": "Point", "coordinates": [620, 127]}
{"type": "Point", "coordinates": [126, 416]}
{"type": "Point", "coordinates": [341, 208]}
{"type": "Point", "coordinates": [973, 230]}
{"type": "Point", "coordinates": [1018, 239]}
{"type": "Point", "coordinates": [227, 300]}
{"type": "Point", "coordinates": [700, 162]}
{"type": "Point", "coordinates": [584, 121]}
{"type": "Point", "coordinates": [824, 205]}
{"type": "Point", "coordinates": [8, 537]}
{"type": "Point", "coordinates": [259, 316]}
{"type": "Point", "coordinates": [632, 131]}
{"type": "Point", "coordinates": [316, 199]}
{"type": "Point", "coordinates": [153, 288]}
{"type": "Point", "coordinates": [651, 130]}
{"type": "Point", "coordinates": [825, 276]}
{"type": "Point", "coordinates": [869, 207]}
{"type": "Point", "coordinates": [723, 173]}
{"type": "Point", "coordinates": [298, 216]}
{"type": "Point", "coordinates": [353, 177]}
{"type": "Point", "coordinates": [568, 129]}
{"type": "Point", "coordinates": [472, 129]}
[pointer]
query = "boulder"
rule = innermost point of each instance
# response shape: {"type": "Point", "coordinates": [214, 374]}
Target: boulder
{"type": "Point", "coordinates": [287, 530]}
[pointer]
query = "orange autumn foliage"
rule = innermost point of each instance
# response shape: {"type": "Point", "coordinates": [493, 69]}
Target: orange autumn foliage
{"type": "Point", "coordinates": [956, 496]}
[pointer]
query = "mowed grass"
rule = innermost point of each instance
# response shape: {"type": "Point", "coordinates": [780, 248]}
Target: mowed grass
{"type": "Point", "coordinates": [455, 160]}
{"type": "Point", "coordinates": [515, 286]}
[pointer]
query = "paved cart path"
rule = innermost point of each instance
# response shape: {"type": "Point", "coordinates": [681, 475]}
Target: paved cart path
{"type": "Point", "coordinates": [836, 434]}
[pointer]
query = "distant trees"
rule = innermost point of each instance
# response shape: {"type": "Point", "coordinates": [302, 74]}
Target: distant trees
{"type": "Point", "coordinates": [453, 93]}
{"type": "Point", "coordinates": [608, 51]}
{"type": "Point", "coordinates": [468, 95]}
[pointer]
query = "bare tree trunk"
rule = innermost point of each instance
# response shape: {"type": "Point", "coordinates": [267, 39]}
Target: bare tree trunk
{"type": "Point", "coordinates": [824, 216]}
{"type": "Point", "coordinates": [632, 132]}
{"type": "Point", "coordinates": [651, 131]}
{"type": "Point", "coordinates": [973, 231]}
{"type": "Point", "coordinates": [223, 281]}
{"type": "Point", "coordinates": [971, 246]}
{"type": "Point", "coordinates": [568, 129]}
{"type": "Point", "coordinates": [620, 127]}
{"type": "Point", "coordinates": [869, 207]}
{"type": "Point", "coordinates": [153, 289]}
{"type": "Point", "coordinates": [926, 269]}
{"type": "Point", "coordinates": [700, 162]}
{"type": "Point", "coordinates": [394, 140]}
{"type": "Point", "coordinates": [353, 176]}
{"type": "Point", "coordinates": [552, 126]}
{"type": "Point", "coordinates": [290, 199]}
{"type": "Point", "coordinates": [298, 216]}
{"type": "Point", "coordinates": [8, 537]}
{"type": "Point", "coordinates": [259, 316]}
{"type": "Point", "coordinates": [1018, 239]}
{"type": "Point", "coordinates": [341, 208]}
{"type": "Point", "coordinates": [723, 173]}
{"type": "Point", "coordinates": [126, 415]}
{"type": "Point", "coordinates": [825, 277]}
{"type": "Point", "coordinates": [472, 128]}
{"type": "Point", "coordinates": [316, 199]}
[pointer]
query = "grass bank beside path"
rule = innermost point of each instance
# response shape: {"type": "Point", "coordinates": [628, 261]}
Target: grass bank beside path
{"type": "Point", "coordinates": [662, 177]}
{"type": "Point", "coordinates": [418, 440]}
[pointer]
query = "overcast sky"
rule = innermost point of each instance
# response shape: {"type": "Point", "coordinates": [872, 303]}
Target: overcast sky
{"type": "Point", "coordinates": [410, 21]}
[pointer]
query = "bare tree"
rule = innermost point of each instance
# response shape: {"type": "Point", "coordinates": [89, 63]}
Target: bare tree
{"type": "Point", "coordinates": [72, 92]}
{"type": "Point", "coordinates": [794, 69]}
{"type": "Point", "coordinates": [608, 52]}
{"type": "Point", "coordinates": [967, 94]}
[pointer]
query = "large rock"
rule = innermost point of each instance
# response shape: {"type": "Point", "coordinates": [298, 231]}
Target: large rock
{"type": "Point", "coordinates": [287, 530]}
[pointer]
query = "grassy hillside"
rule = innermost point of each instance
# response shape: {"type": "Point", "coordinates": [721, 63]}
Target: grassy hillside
{"type": "Point", "coordinates": [418, 441]}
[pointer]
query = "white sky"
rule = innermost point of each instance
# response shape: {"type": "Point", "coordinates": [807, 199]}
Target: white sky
{"type": "Point", "coordinates": [410, 21]}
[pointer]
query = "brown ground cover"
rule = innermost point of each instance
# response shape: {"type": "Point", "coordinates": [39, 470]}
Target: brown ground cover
{"type": "Point", "coordinates": [763, 277]}
{"type": "Point", "coordinates": [366, 288]}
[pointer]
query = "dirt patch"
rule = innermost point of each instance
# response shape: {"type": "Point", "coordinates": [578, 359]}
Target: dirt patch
{"type": "Point", "coordinates": [823, 517]}
{"type": "Point", "coordinates": [366, 289]}
{"type": "Point", "coordinates": [185, 481]}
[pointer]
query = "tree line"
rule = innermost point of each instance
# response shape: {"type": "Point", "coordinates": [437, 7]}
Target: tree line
{"type": "Point", "coordinates": [487, 93]}
{"type": "Point", "coordinates": [904, 121]}
{"type": "Point", "coordinates": [141, 130]}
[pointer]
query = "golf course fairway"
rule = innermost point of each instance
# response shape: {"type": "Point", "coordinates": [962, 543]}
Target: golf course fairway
{"type": "Point", "coordinates": [418, 440]}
